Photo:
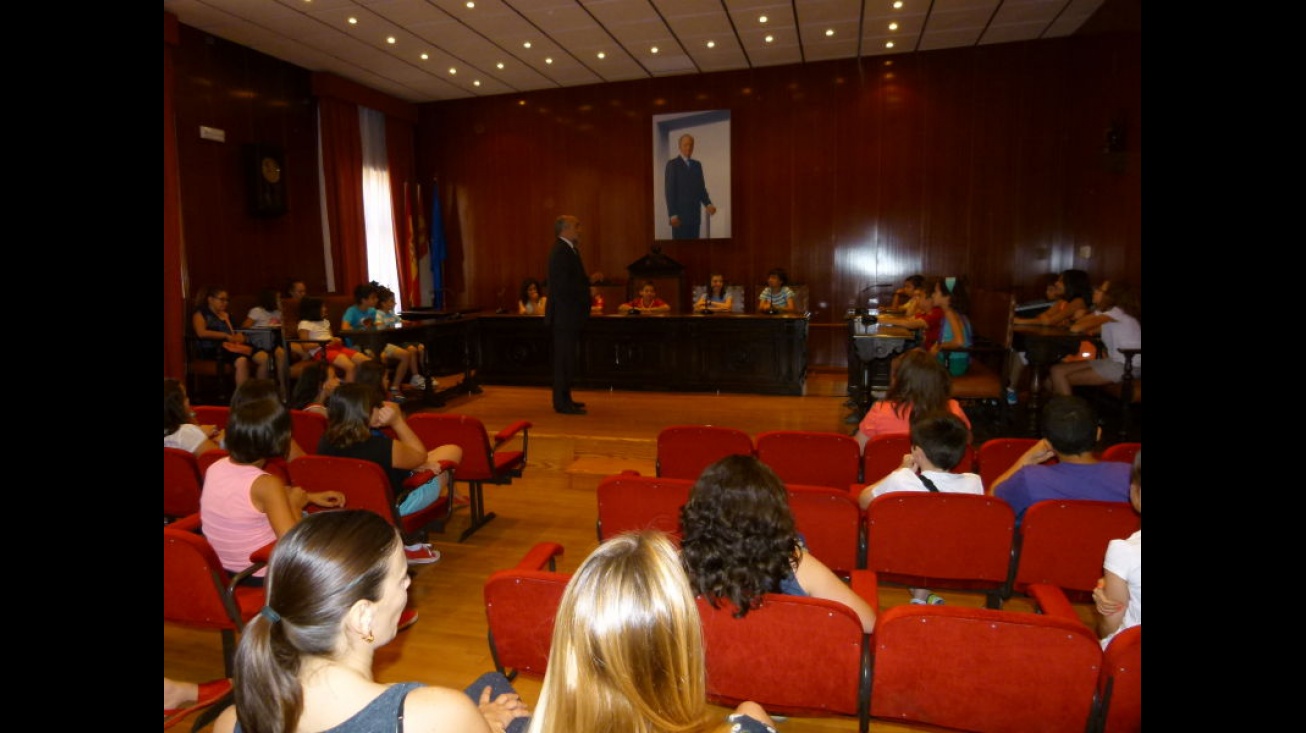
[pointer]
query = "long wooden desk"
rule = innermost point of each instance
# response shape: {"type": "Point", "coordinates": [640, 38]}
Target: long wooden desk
{"type": "Point", "coordinates": [1043, 346]}
{"type": "Point", "coordinates": [449, 341]}
{"type": "Point", "coordinates": [871, 348]}
{"type": "Point", "coordinates": [678, 353]}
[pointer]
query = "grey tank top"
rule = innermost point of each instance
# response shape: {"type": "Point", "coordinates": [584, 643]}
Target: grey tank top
{"type": "Point", "coordinates": [384, 713]}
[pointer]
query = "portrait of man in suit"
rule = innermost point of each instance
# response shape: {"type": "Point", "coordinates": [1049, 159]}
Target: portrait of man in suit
{"type": "Point", "coordinates": [691, 175]}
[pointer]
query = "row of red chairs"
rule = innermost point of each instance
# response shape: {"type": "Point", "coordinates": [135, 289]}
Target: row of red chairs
{"type": "Point", "coordinates": [945, 666]}
{"type": "Point", "coordinates": [919, 539]}
{"type": "Point", "coordinates": [827, 459]}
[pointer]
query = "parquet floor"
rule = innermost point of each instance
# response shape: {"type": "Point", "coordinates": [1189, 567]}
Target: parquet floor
{"type": "Point", "coordinates": [554, 501]}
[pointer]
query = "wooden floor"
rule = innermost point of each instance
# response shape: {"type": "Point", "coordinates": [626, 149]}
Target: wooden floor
{"type": "Point", "coordinates": [554, 501]}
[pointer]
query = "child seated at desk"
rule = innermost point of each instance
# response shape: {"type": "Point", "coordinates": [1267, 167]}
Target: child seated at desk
{"type": "Point", "coordinates": [315, 325]}
{"type": "Point", "coordinates": [407, 356]}
{"type": "Point", "coordinates": [647, 302]}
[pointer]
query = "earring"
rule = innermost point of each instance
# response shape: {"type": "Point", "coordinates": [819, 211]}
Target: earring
{"type": "Point", "coordinates": [369, 638]}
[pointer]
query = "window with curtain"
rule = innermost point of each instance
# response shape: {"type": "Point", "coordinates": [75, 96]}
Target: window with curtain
{"type": "Point", "coordinates": [378, 214]}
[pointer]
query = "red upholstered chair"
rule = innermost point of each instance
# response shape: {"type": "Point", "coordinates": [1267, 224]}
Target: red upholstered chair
{"type": "Point", "coordinates": [811, 458]}
{"type": "Point", "coordinates": [181, 484]}
{"type": "Point", "coordinates": [883, 454]}
{"type": "Point", "coordinates": [307, 429]}
{"type": "Point", "coordinates": [199, 593]}
{"type": "Point", "coordinates": [520, 606]}
{"type": "Point", "coordinates": [211, 414]}
{"type": "Point", "coordinates": [793, 655]}
{"type": "Point", "coordinates": [984, 670]}
{"type": "Point", "coordinates": [1120, 688]}
{"type": "Point", "coordinates": [633, 502]}
{"type": "Point", "coordinates": [1062, 542]}
{"type": "Point", "coordinates": [366, 486]}
{"type": "Point", "coordinates": [996, 455]}
{"type": "Point", "coordinates": [831, 523]}
{"type": "Point", "coordinates": [683, 451]}
{"type": "Point", "coordinates": [938, 540]}
{"type": "Point", "coordinates": [1123, 452]}
{"type": "Point", "coordinates": [485, 461]}
{"type": "Point", "coordinates": [276, 466]}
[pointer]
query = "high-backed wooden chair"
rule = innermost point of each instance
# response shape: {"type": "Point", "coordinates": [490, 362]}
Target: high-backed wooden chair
{"type": "Point", "coordinates": [983, 386]}
{"type": "Point", "coordinates": [984, 670]}
{"type": "Point", "coordinates": [632, 502]}
{"type": "Point", "coordinates": [938, 540]}
{"type": "Point", "coordinates": [1128, 392]}
{"type": "Point", "coordinates": [199, 593]}
{"type": "Point", "coordinates": [520, 606]}
{"type": "Point", "coordinates": [485, 461]}
{"type": "Point", "coordinates": [210, 377]}
{"type": "Point", "coordinates": [1062, 542]}
{"type": "Point", "coordinates": [683, 451]}
{"type": "Point", "coordinates": [811, 458]}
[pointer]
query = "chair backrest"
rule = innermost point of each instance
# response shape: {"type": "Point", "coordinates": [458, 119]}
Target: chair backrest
{"type": "Point", "coordinates": [983, 670]}
{"type": "Point", "coordinates": [825, 672]}
{"type": "Point", "coordinates": [632, 502]}
{"type": "Point", "coordinates": [683, 451]}
{"type": "Point", "coordinates": [831, 523]}
{"type": "Point", "coordinates": [1123, 452]}
{"type": "Point", "coordinates": [197, 590]}
{"type": "Point", "coordinates": [811, 458]}
{"type": "Point", "coordinates": [479, 460]}
{"type": "Point", "coordinates": [181, 483]}
{"type": "Point", "coordinates": [364, 483]}
{"type": "Point", "coordinates": [996, 455]}
{"type": "Point", "coordinates": [929, 540]}
{"type": "Point", "coordinates": [883, 453]}
{"type": "Point", "coordinates": [307, 428]}
{"type": "Point", "coordinates": [1120, 688]}
{"type": "Point", "coordinates": [1062, 542]}
{"type": "Point", "coordinates": [212, 414]}
{"type": "Point", "coordinates": [520, 606]}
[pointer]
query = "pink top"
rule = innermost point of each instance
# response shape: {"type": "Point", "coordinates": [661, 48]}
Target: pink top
{"type": "Point", "coordinates": [233, 526]}
{"type": "Point", "coordinates": [880, 419]}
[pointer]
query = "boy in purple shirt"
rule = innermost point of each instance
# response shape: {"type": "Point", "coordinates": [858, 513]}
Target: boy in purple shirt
{"type": "Point", "coordinates": [1070, 432]}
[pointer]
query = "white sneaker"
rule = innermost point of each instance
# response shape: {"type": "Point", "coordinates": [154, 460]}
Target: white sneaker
{"type": "Point", "coordinates": [418, 381]}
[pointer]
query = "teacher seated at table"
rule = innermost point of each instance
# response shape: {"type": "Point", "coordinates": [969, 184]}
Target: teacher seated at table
{"type": "Point", "coordinates": [647, 302]}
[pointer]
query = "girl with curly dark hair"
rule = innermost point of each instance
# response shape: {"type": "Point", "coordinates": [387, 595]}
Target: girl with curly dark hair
{"type": "Point", "coordinates": [740, 542]}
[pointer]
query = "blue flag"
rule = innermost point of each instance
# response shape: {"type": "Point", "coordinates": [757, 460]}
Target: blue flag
{"type": "Point", "coordinates": [438, 249]}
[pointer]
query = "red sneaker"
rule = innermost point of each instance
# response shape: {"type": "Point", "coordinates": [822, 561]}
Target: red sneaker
{"type": "Point", "coordinates": [421, 554]}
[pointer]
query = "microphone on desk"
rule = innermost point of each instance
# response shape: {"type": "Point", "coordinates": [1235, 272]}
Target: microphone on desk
{"type": "Point", "coordinates": [632, 312]}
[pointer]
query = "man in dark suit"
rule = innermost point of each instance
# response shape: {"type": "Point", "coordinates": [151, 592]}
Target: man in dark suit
{"type": "Point", "coordinates": [569, 306]}
{"type": "Point", "coordinates": [686, 191]}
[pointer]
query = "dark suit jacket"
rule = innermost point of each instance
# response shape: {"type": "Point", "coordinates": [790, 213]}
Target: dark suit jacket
{"type": "Point", "coordinates": [569, 288]}
{"type": "Point", "coordinates": [686, 190]}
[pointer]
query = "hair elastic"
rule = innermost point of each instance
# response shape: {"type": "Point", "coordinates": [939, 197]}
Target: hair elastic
{"type": "Point", "coordinates": [951, 282]}
{"type": "Point", "coordinates": [267, 613]}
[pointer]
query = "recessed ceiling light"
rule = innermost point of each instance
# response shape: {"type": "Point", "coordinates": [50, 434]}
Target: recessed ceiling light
{"type": "Point", "coordinates": [889, 44]}
{"type": "Point", "coordinates": [548, 60]}
{"type": "Point", "coordinates": [761, 19]}
{"type": "Point", "coordinates": [653, 50]}
{"type": "Point", "coordinates": [353, 21]}
{"type": "Point", "coordinates": [452, 70]}
{"type": "Point", "coordinates": [602, 55]}
{"type": "Point", "coordinates": [526, 44]}
{"type": "Point", "coordinates": [711, 44]}
{"type": "Point", "coordinates": [499, 65]}
{"type": "Point", "coordinates": [390, 40]}
{"type": "Point", "coordinates": [897, 5]}
{"type": "Point", "coordinates": [426, 56]}
{"type": "Point", "coordinates": [477, 82]}
{"type": "Point", "coordinates": [471, 4]}
{"type": "Point", "coordinates": [893, 26]}
{"type": "Point", "coordinates": [829, 32]}
{"type": "Point", "coordinates": [770, 38]}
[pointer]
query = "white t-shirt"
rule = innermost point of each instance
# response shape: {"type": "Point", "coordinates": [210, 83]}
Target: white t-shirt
{"type": "Point", "coordinates": [188, 437]}
{"type": "Point", "coordinates": [905, 479]}
{"type": "Point", "coordinates": [1122, 332]}
{"type": "Point", "coordinates": [1125, 559]}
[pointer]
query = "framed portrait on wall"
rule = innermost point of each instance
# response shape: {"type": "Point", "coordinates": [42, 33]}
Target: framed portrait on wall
{"type": "Point", "coordinates": [691, 175]}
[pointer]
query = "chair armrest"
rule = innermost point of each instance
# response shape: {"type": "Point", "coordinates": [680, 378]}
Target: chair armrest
{"type": "Point", "coordinates": [263, 554]}
{"type": "Point", "coordinates": [543, 553]}
{"type": "Point", "coordinates": [188, 523]}
{"type": "Point", "coordinates": [420, 478]}
{"type": "Point", "coordinates": [1052, 601]}
{"type": "Point", "coordinates": [247, 572]}
{"type": "Point", "coordinates": [507, 433]}
{"type": "Point", "coordinates": [865, 583]}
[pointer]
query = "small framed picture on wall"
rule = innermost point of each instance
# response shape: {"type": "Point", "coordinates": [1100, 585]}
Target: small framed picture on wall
{"type": "Point", "coordinates": [691, 175]}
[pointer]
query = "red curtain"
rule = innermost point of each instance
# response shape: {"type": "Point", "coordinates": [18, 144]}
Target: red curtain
{"type": "Point", "coordinates": [342, 173]}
